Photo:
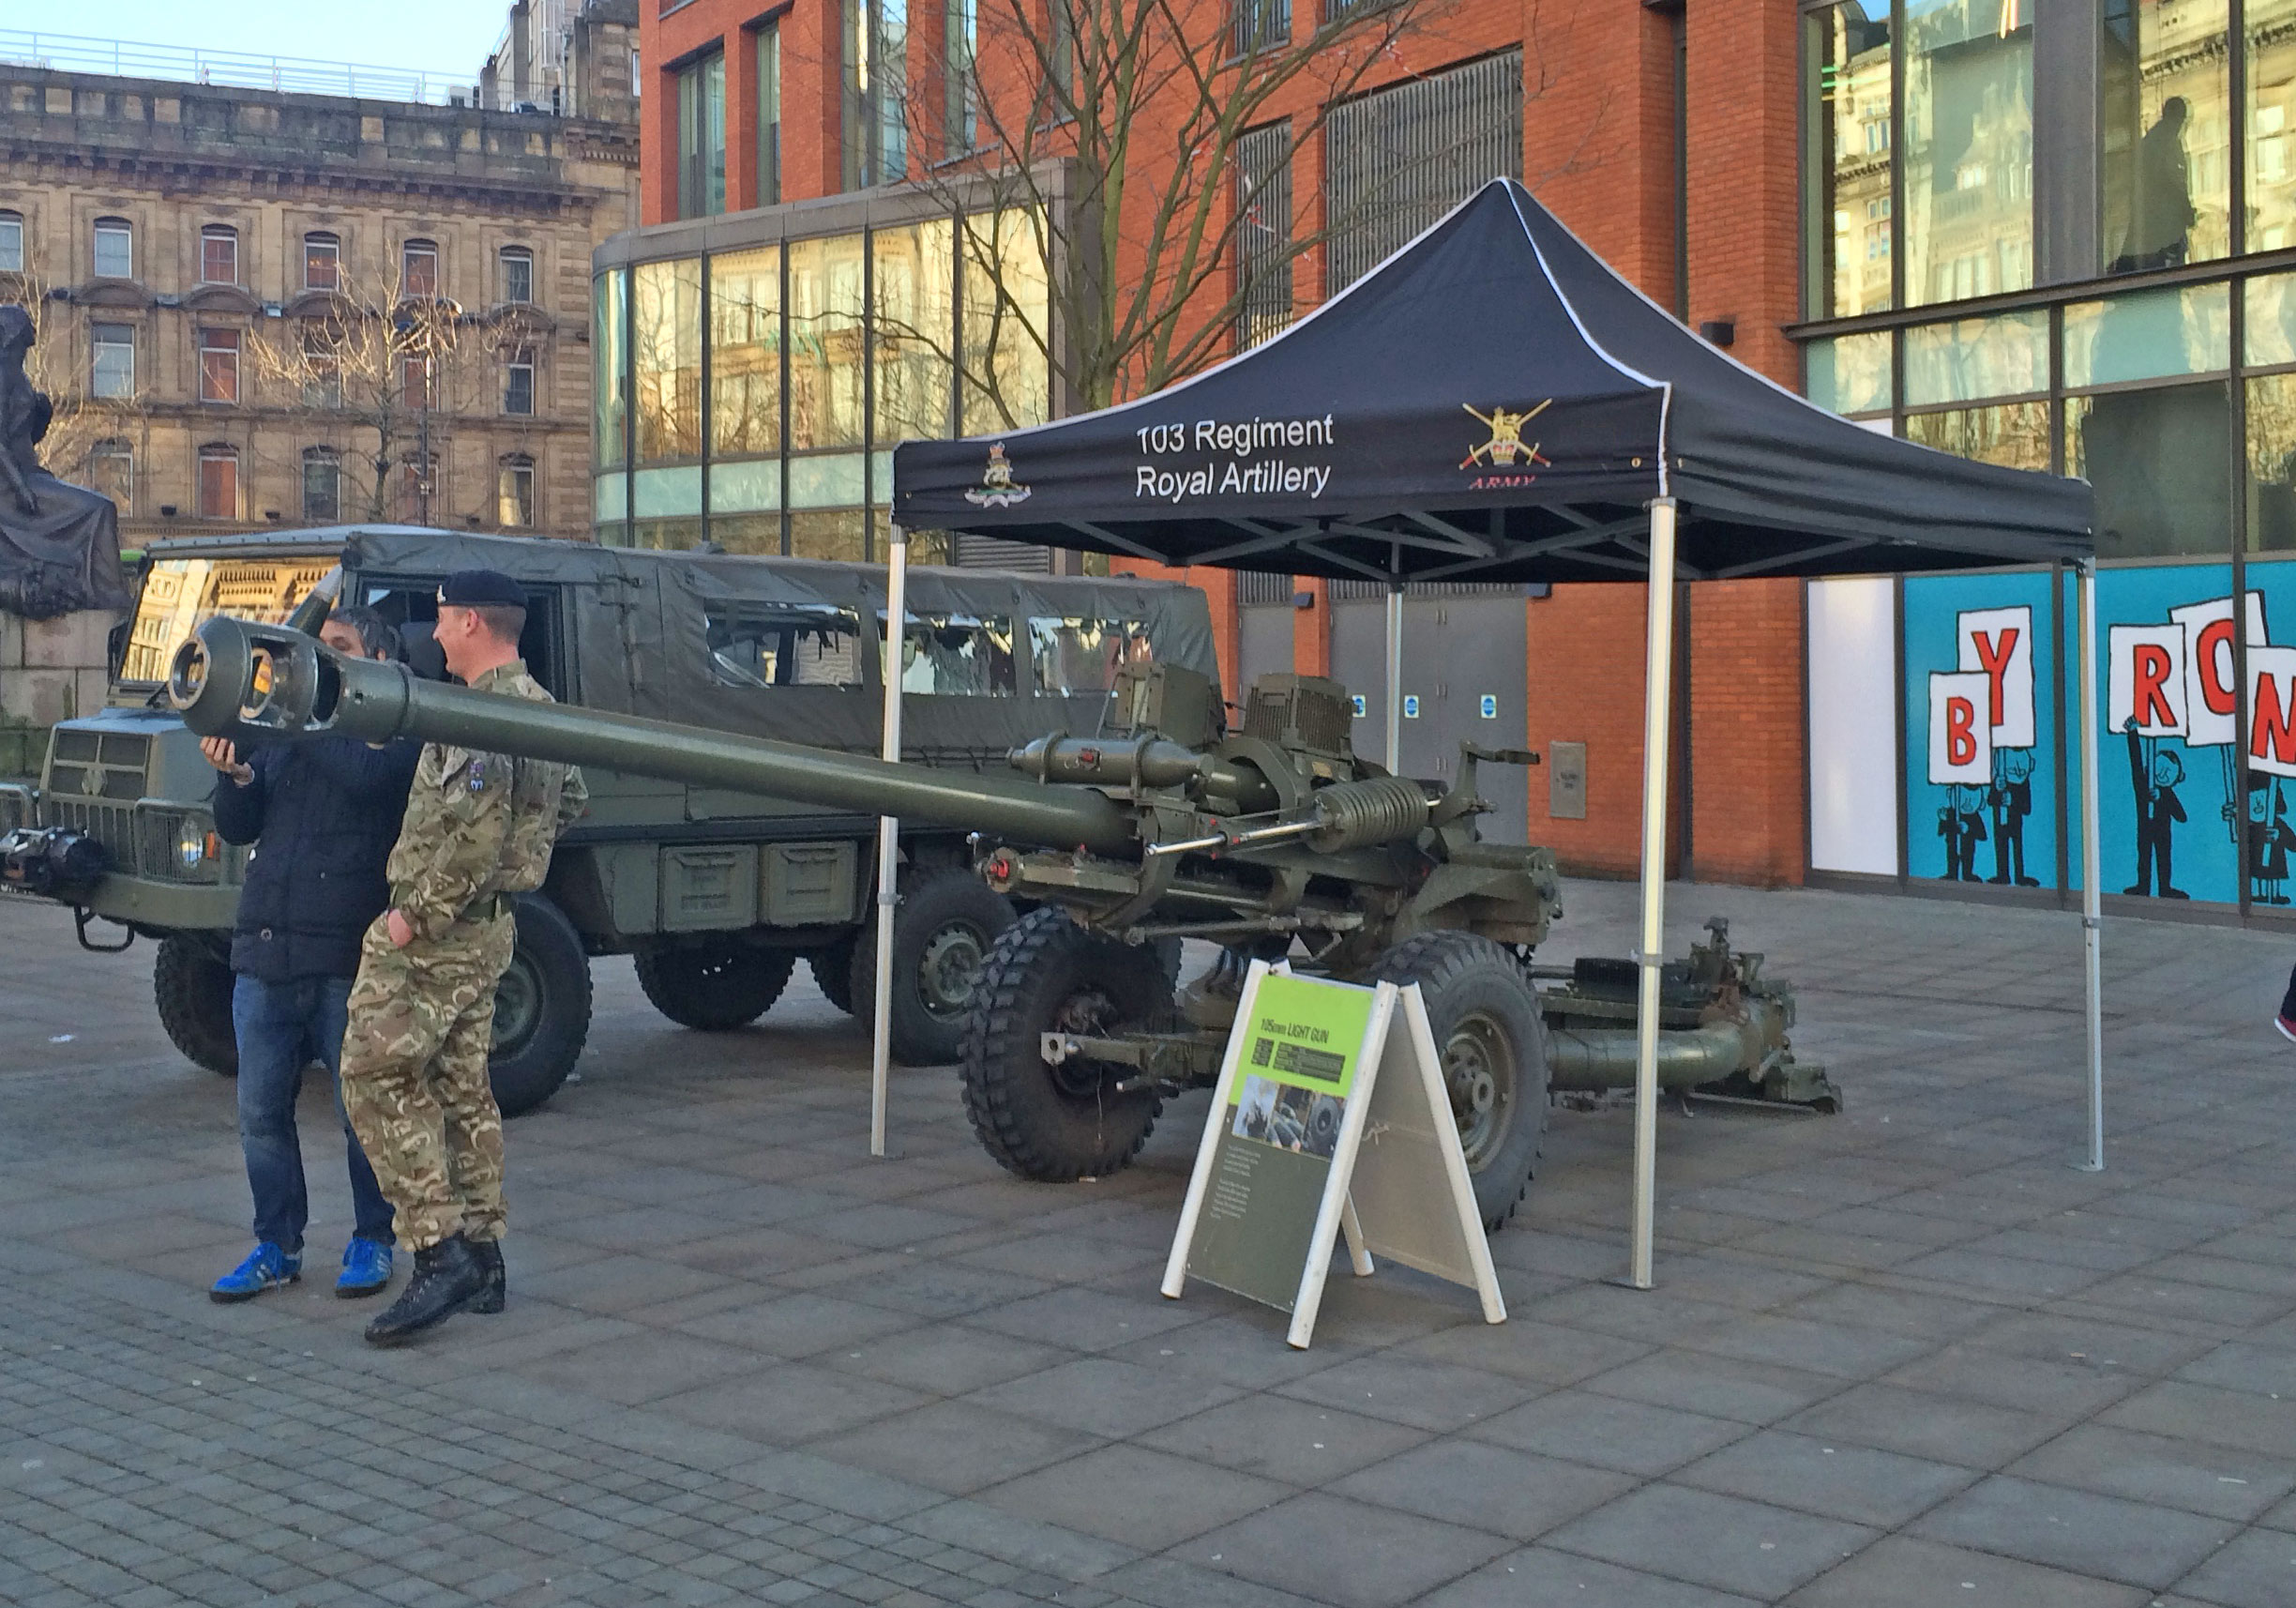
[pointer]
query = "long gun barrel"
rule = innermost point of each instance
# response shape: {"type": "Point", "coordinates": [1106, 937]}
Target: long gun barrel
{"type": "Point", "coordinates": [236, 678]}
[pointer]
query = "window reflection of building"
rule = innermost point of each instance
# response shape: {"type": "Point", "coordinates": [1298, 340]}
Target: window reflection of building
{"type": "Point", "coordinates": [2164, 130]}
{"type": "Point", "coordinates": [1968, 148]}
{"type": "Point", "coordinates": [1852, 209]}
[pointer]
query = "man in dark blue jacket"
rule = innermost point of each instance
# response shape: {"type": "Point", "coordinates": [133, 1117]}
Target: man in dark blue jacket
{"type": "Point", "coordinates": [323, 815]}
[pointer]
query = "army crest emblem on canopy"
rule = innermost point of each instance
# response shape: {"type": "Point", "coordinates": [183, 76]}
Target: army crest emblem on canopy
{"type": "Point", "coordinates": [998, 489]}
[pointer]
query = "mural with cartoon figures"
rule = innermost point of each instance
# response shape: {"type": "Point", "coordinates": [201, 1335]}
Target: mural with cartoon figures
{"type": "Point", "coordinates": [1981, 727]}
{"type": "Point", "coordinates": [2177, 818]}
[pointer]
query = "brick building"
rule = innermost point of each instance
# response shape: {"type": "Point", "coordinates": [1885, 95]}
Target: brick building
{"type": "Point", "coordinates": [1667, 137]}
{"type": "Point", "coordinates": [228, 282]}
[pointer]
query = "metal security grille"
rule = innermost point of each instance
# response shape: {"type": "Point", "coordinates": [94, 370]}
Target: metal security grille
{"type": "Point", "coordinates": [994, 552]}
{"type": "Point", "coordinates": [1263, 233]}
{"type": "Point", "coordinates": [1262, 25]}
{"type": "Point", "coordinates": [1400, 158]}
{"type": "Point", "coordinates": [1254, 587]}
{"type": "Point", "coordinates": [1361, 591]}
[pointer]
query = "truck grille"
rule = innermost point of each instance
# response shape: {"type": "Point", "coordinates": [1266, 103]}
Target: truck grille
{"type": "Point", "coordinates": [109, 824]}
{"type": "Point", "coordinates": [99, 764]}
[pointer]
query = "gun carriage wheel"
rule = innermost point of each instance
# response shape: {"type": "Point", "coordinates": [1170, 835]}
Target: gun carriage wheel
{"type": "Point", "coordinates": [1487, 1030]}
{"type": "Point", "coordinates": [1058, 1123]}
{"type": "Point", "coordinates": [942, 930]}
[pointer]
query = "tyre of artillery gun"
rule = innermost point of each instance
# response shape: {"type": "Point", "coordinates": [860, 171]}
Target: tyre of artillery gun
{"type": "Point", "coordinates": [1275, 841]}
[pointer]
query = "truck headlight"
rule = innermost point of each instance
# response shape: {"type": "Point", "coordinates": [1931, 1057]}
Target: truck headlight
{"type": "Point", "coordinates": [191, 845]}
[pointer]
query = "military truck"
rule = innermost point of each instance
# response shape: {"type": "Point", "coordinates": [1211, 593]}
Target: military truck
{"type": "Point", "coordinates": [716, 893]}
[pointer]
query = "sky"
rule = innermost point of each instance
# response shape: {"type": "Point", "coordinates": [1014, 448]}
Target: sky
{"type": "Point", "coordinates": [447, 37]}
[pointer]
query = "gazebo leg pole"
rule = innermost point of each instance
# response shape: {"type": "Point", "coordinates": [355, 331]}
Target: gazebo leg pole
{"type": "Point", "coordinates": [1394, 677]}
{"type": "Point", "coordinates": [2093, 892]}
{"type": "Point", "coordinates": [1658, 689]}
{"type": "Point", "coordinates": [888, 839]}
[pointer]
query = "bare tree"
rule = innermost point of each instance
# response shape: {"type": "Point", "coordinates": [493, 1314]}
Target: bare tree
{"type": "Point", "coordinates": [377, 368]}
{"type": "Point", "coordinates": [1089, 151]}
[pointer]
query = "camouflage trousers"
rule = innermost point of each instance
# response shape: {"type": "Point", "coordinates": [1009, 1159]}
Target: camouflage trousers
{"type": "Point", "coordinates": [414, 1077]}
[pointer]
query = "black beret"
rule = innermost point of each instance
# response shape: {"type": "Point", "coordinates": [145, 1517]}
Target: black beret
{"type": "Point", "coordinates": [481, 589]}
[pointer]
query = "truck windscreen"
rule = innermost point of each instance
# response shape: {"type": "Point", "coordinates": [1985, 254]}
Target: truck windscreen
{"type": "Point", "coordinates": [182, 594]}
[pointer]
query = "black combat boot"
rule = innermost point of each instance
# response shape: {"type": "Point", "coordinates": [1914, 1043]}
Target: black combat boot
{"type": "Point", "coordinates": [488, 1300]}
{"type": "Point", "coordinates": [447, 1277]}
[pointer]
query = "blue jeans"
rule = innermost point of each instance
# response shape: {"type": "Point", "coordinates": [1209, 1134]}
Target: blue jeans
{"type": "Point", "coordinates": [282, 1028]}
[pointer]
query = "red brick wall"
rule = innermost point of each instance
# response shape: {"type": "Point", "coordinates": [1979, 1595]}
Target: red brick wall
{"type": "Point", "coordinates": [1747, 760]}
{"type": "Point", "coordinates": [1585, 648]}
{"type": "Point", "coordinates": [1744, 218]}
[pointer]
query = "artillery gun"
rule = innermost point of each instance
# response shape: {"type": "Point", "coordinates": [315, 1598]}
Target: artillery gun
{"type": "Point", "coordinates": [1273, 839]}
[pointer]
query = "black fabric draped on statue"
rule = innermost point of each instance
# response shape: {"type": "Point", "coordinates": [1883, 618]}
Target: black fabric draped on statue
{"type": "Point", "coordinates": [59, 544]}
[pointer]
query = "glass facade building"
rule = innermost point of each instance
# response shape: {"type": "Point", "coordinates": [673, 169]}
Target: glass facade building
{"type": "Point", "coordinates": [754, 372]}
{"type": "Point", "coordinates": [2063, 237]}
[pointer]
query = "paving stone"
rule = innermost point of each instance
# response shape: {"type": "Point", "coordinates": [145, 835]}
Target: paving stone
{"type": "Point", "coordinates": [1148, 1500]}
{"type": "Point", "coordinates": [2077, 1531]}
{"type": "Point", "coordinates": [1514, 1494]}
{"type": "Point", "coordinates": [2253, 1571]}
{"type": "Point", "coordinates": [2195, 1476]}
{"type": "Point", "coordinates": [1923, 1423]}
{"type": "Point", "coordinates": [1884, 1489]}
{"type": "Point", "coordinates": [1902, 1571]}
{"type": "Point", "coordinates": [1296, 1442]}
{"type": "Point", "coordinates": [1349, 1554]}
{"type": "Point", "coordinates": [1538, 1576]}
{"type": "Point", "coordinates": [1725, 1542]}
{"type": "Point", "coordinates": [1412, 1390]}
{"type": "Point", "coordinates": [1632, 1436]}
{"type": "Point", "coordinates": [956, 1447]}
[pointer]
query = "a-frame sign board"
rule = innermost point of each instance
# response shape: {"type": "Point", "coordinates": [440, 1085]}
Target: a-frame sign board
{"type": "Point", "coordinates": [1330, 1114]}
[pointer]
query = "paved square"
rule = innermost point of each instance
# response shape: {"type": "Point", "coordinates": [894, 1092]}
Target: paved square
{"type": "Point", "coordinates": [1902, 1357]}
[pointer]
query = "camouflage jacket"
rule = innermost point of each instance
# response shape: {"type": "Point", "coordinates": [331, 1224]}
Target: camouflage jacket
{"type": "Point", "coordinates": [478, 825]}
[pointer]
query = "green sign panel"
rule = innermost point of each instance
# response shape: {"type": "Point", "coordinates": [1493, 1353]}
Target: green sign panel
{"type": "Point", "coordinates": [1302, 1042]}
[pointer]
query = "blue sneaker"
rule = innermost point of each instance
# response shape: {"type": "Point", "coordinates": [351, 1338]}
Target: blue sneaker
{"type": "Point", "coordinates": [267, 1267]}
{"type": "Point", "coordinates": [367, 1267]}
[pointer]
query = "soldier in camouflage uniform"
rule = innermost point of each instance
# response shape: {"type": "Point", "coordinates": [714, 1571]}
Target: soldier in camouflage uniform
{"type": "Point", "coordinates": [479, 830]}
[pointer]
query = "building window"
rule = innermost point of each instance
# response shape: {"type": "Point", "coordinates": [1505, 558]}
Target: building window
{"type": "Point", "coordinates": [321, 485]}
{"type": "Point", "coordinates": [418, 268]}
{"type": "Point", "coordinates": [321, 262]}
{"type": "Point", "coordinates": [112, 471]}
{"type": "Point", "coordinates": [769, 115]}
{"type": "Point", "coordinates": [1397, 161]}
{"type": "Point", "coordinates": [219, 254]}
{"type": "Point", "coordinates": [218, 482]}
{"type": "Point", "coordinates": [517, 274]}
{"type": "Point", "coordinates": [1850, 261]}
{"type": "Point", "coordinates": [416, 385]}
{"type": "Point", "coordinates": [1262, 26]}
{"type": "Point", "coordinates": [115, 249]}
{"type": "Point", "coordinates": [218, 351]}
{"type": "Point", "coordinates": [1968, 219]}
{"type": "Point", "coordinates": [701, 137]}
{"type": "Point", "coordinates": [11, 243]}
{"type": "Point", "coordinates": [876, 78]}
{"type": "Point", "coordinates": [963, 36]}
{"type": "Point", "coordinates": [415, 488]}
{"type": "Point", "coordinates": [514, 491]}
{"type": "Point", "coordinates": [2165, 114]}
{"type": "Point", "coordinates": [1263, 233]}
{"type": "Point", "coordinates": [113, 372]}
{"type": "Point", "coordinates": [322, 367]}
{"type": "Point", "coordinates": [518, 382]}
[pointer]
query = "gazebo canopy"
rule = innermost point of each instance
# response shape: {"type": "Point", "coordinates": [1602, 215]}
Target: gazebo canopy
{"type": "Point", "coordinates": [1493, 402]}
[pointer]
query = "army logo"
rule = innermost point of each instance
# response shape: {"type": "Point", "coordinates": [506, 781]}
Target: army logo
{"type": "Point", "coordinates": [1507, 448]}
{"type": "Point", "coordinates": [997, 489]}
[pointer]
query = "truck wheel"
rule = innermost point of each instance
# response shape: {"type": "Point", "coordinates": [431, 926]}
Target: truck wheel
{"type": "Point", "coordinates": [715, 987]}
{"type": "Point", "coordinates": [1061, 1123]}
{"type": "Point", "coordinates": [1487, 1025]}
{"type": "Point", "coordinates": [541, 1009]}
{"type": "Point", "coordinates": [192, 985]}
{"type": "Point", "coordinates": [833, 971]}
{"type": "Point", "coordinates": [942, 930]}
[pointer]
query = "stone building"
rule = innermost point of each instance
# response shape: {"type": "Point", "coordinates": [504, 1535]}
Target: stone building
{"type": "Point", "coordinates": [259, 307]}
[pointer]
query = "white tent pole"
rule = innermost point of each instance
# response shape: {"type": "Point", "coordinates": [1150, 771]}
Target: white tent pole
{"type": "Point", "coordinates": [2092, 921]}
{"type": "Point", "coordinates": [1394, 677]}
{"type": "Point", "coordinates": [888, 839]}
{"type": "Point", "coordinates": [1657, 695]}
